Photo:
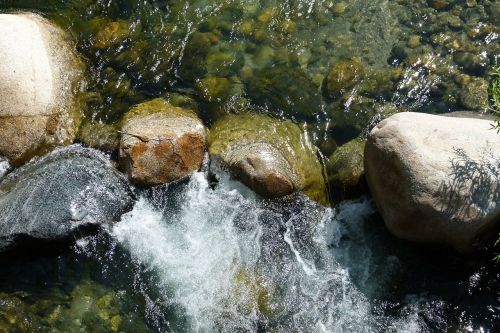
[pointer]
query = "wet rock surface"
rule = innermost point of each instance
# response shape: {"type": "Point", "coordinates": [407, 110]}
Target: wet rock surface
{"type": "Point", "coordinates": [272, 157]}
{"type": "Point", "coordinates": [435, 179]}
{"type": "Point", "coordinates": [63, 193]}
{"type": "Point", "coordinates": [345, 169]}
{"type": "Point", "coordinates": [161, 143]}
{"type": "Point", "coordinates": [40, 78]}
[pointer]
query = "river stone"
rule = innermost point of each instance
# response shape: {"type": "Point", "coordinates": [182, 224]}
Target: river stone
{"type": "Point", "coordinates": [345, 169]}
{"type": "Point", "coordinates": [474, 95]}
{"type": "Point", "coordinates": [436, 179]}
{"type": "Point", "coordinates": [272, 157]}
{"type": "Point", "coordinates": [40, 77]}
{"type": "Point", "coordinates": [161, 143]}
{"type": "Point", "coordinates": [343, 76]}
{"type": "Point", "coordinates": [65, 192]}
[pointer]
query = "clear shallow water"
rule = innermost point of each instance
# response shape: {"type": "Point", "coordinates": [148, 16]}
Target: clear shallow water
{"type": "Point", "coordinates": [215, 56]}
{"type": "Point", "coordinates": [195, 258]}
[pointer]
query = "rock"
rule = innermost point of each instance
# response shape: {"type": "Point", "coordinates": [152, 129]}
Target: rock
{"type": "Point", "coordinates": [474, 64]}
{"type": "Point", "coordinates": [40, 80]}
{"type": "Point", "coordinates": [474, 95]}
{"type": "Point", "coordinates": [100, 136]}
{"type": "Point", "coordinates": [63, 193]}
{"type": "Point", "coordinates": [338, 8]}
{"type": "Point", "coordinates": [161, 143]}
{"type": "Point", "coordinates": [345, 169]}
{"type": "Point", "coordinates": [272, 157]}
{"type": "Point", "coordinates": [439, 4]}
{"type": "Point", "coordinates": [214, 89]}
{"type": "Point", "coordinates": [342, 77]}
{"type": "Point", "coordinates": [111, 34]}
{"type": "Point", "coordinates": [414, 41]}
{"type": "Point", "coordinates": [435, 179]}
{"type": "Point", "coordinates": [495, 12]}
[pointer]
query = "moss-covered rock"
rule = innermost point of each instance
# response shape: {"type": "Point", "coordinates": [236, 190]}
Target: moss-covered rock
{"type": "Point", "coordinates": [342, 77]}
{"type": "Point", "coordinates": [161, 143]}
{"type": "Point", "coordinates": [345, 169]}
{"type": "Point", "coordinates": [360, 114]}
{"type": "Point", "coordinates": [474, 94]}
{"type": "Point", "coordinates": [100, 135]}
{"type": "Point", "coordinates": [111, 34]}
{"type": "Point", "coordinates": [214, 89]}
{"type": "Point", "coordinates": [272, 157]}
{"type": "Point", "coordinates": [88, 307]}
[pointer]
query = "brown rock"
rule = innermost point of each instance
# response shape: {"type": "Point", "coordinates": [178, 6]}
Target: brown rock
{"type": "Point", "coordinates": [272, 157]}
{"type": "Point", "coordinates": [161, 143]}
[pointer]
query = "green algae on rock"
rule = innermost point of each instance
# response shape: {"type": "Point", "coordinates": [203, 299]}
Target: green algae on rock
{"type": "Point", "coordinates": [342, 77]}
{"type": "Point", "coordinates": [161, 143]}
{"type": "Point", "coordinates": [100, 135]}
{"type": "Point", "coordinates": [345, 169]}
{"type": "Point", "coordinates": [88, 307]}
{"type": "Point", "coordinates": [272, 157]}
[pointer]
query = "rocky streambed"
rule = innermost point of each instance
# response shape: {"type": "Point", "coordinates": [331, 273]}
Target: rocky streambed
{"type": "Point", "coordinates": [242, 166]}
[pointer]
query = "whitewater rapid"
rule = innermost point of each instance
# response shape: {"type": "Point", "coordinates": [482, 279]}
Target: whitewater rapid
{"type": "Point", "coordinates": [229, 262]}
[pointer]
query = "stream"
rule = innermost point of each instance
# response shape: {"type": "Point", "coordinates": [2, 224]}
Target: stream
{"type": "Point", "coordinates": [207, 254]}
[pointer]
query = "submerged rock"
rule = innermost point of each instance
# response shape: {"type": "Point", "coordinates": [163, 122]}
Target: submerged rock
{"type": "Point", "coordinates": [346, 170]}
{"type": "Point", "coordinates": [111, 34]}
{"type": "Point", "coordinates": [272, 157]}
{"type": "Point", "coordinates": [40, 78]}
{"type": "Point", "coordinates": [161, 143]}
{"type": "Point", "coordinates": [435, 179]}
{"type": "Point", "coordinates": [342, 77]}
{"type": "Point", "coordinates": [474, 94]}
{"type": "Point", "coordinates": [63, 193]}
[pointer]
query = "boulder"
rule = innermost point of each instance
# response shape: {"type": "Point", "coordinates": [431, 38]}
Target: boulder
{"type": "Point", "coordinates": [272, 157]}
{"type": "Point", "coordinates": [435, 179]}
{"type": "Point", "coordinates": [40, 81]}
{"type": "Point", "coordinates": [161, 143]}
{"type": "Point", "coordinates": [66, 192]}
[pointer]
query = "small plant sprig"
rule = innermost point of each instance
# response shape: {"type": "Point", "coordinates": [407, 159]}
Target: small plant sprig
{"type": "Point", "coordinates": [495, 96]}
{"type": "Point", "coordinates": [495, 109]}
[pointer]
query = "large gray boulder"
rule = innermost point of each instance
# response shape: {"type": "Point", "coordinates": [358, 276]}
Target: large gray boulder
{"type": "Point", "coordinates": [436, 179]}
{"type": "Point", "coordinates": [40, 81]}
{"type": "Point", "coordinates": [65, 192]}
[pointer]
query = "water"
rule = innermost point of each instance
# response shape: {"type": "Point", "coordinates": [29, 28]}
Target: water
{"type": "Point", "coordinates": [230, 263]}
{"type": "Point", "coordinates": [205, 257]}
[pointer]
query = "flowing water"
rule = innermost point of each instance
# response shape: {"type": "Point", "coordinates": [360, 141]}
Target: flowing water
{"type": "Point", "coordinates": [210, 256]}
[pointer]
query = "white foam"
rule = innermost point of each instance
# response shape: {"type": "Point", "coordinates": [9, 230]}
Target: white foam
{"type": "Point", "coordinates": [4, 167]}
{"type": "Point", "coordinates": [199, 251]}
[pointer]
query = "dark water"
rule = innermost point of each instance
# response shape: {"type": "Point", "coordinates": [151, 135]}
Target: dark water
{"type": "Point", "coordinates": [197, 259]}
